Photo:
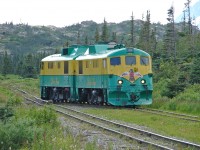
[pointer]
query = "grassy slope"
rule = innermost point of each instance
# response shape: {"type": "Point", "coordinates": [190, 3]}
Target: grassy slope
{"type": "Point", "coordinates": [187, 101]}
{"type": "Point", "coordinates": [31, 127]}
{"type": "Point", "coordinates": [165, 125]}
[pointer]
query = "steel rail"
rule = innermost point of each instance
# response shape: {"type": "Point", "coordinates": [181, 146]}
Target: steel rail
{"type": "Point", "coordinates": [170, 114]}
{"type": "Point", "coordinates": [184, 143]}
{"type": "Point", "coordinates": [140, 141]}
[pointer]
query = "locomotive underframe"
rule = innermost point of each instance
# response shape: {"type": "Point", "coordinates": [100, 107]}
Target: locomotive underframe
{"type": "Point", "coordinates": [64, 94]}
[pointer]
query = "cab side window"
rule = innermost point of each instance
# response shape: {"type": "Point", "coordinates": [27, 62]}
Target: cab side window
{"type": "Point", "coordinates": [58, 65]}
{"type": "Point", "coordinates": [42, 65]}
{"type": "Point", "coordinates": [66, 67]}
{"type": "Point", "coordinates": [80, 65]}
{"type": "Point", "coordinates": [104, 63]}
{"type": "Point", "coordinates": [130, 60]}
{"type": "Point", "coordinates": [50, 65]}
{"type": "Point", "coordinates": [95, 63]}
{"type": "Point", "coordinates": [115, 61]}
{"type": "Point", "coordinates": [144, 60]}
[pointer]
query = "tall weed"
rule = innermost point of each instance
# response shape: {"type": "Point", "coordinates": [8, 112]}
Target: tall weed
{"type": "Point", "coordinates": [15, 134]}
{"type": "Point", "coordinates": [43, 116]}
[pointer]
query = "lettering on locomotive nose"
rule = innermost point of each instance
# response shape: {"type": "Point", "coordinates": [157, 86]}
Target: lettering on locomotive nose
{"type": "Point", "coordinates": [54, 82]}
{"type": "Point", "coordinates": [91, 83]}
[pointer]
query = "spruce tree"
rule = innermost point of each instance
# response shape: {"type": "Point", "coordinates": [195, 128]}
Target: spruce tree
{"type": "Point", "coordinates": [144, 39]}
{"type": "Point", "coordinates": [114, 37]}
{"type": "Point", "coordinates": [29, 69]}
{"type": "Point", "coordinates": [86, 40]}
{"type": "Point", "coordinates": [169, 46]}
{"type": "Point", "coordinates": [153, 42]}
{"type": "Point", "coordinates": [195, 72]}
{"type": "Point", "coordinates": [7, 64]}
{"type": "Point", "coordinates": [78, 38]}
{"type": "Point", "coordinates": [104, 36]}
{"type": "Point", "coordinates": [132, 31]}
{"type": "Point", "coordinates": [97, 35]}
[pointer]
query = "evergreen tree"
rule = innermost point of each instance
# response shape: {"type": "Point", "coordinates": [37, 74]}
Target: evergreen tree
{"type": "Point", "coordinates": [114, 37]}
{"type": "Point", "coordinates": [78, 38]}
{"type": "Point", "coordinates": [153, 42]}
{"type": "Point", "coordinates": [170, 37]}
{"type": "Point", "coordinates": [7, 64]}
{"type": "Point", "coordinates": [184, 22]}
{"type": "Point", "coordinates": [187, 6]}
{"type": "Point", "coordinates": [66, 44]}
{"type": "Point", "coordinates": [104, 36]}
{"type": "Point", "coordinates": [57, 51]}
{"type": "Point", "coordinates": [86, 40]}
{"type": "Point", "coordinates": [132, 31]}
{"type": "Point", "coordinates": [29, 70]}
{"type": "Point", "coordinates": [195, 72]}
{"type": "Point", "coordinates": [144, 39]}
{"type": "Point", "coordinates": [97, 35]}
{"type": "Point", "coordinates": [19, 68]}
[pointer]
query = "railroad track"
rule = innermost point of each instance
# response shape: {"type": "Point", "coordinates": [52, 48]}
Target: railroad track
{"type": "Point", "coordinates": [170, 114]}
{"type": "Point", "coordinates": [148, 110]}
{"type": "Point", "coordinates": [145, 139]}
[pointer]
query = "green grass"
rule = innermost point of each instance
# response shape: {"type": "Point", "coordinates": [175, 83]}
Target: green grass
{"type": "Point", "coordinates": [29, 127]}
{"type": "Point", "coordinates": [165, 125]}
{"type": "Point", "coordinates": [186, 102]}
{"type": "Point", "coordinates": [14, 81]}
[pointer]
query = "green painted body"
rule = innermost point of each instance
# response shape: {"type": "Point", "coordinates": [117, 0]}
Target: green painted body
{"type": "Point", "coordinates": [117, 95]}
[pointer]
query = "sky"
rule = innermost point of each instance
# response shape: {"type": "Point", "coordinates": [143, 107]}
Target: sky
{"type": "Point", "coordinates": [62, 13]}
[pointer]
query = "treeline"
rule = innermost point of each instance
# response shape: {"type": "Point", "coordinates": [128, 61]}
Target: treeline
{"type": "Point", "coordinates": [27, 65]}
{"type": "Point", "coordinates": [175, 52]}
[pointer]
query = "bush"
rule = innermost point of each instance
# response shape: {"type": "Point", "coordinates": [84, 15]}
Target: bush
{"type": "Point", "coordinates": [43, 116]}
{"type": "Point", "coordinates": [14, 101]}
{"type": "Point", "coordinates": [17, 133]}
{"type": "Point", "coordinates": [6, 113]}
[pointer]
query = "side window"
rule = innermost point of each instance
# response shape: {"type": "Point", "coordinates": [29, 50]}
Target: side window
{"type": "Point", "coordinates": [144, 60]}
{"type": "Point", "coordinates": [95, 63]}
{"type": "Point", "coordinates": [130, 60]}
{"type": "Point", "coordinates": [104, 63]}
{"type": "Point", "coordinates": [80, 65]}
{"type": "Point", "coordinates": [87, 64]}
{"type": "Point", "coordinates": [50, 65]}
{"type": "Point", "coordinates": [66, 67]}
{"type": "Point", "coordinates": [42, 65]}
{"type": "Point", "coordinates": [58, 65]}
{"type": "Point", "coordinates": [115, 61]}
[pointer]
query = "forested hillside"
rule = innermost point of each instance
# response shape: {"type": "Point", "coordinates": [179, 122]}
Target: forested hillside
{"type": "Point", "coordinates": [23, 46]}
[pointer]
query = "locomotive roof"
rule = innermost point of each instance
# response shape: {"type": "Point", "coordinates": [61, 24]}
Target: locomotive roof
{"type": "Point", "coordinates": [94, 52]}
{"type": "Point", "coordinates": [113, 53]}
{"type": "Point", "coordinates": [57, 57]}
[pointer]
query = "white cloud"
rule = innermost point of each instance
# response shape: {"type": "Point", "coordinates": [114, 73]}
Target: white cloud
{"type": "Point", "coordinates": [67, 12]}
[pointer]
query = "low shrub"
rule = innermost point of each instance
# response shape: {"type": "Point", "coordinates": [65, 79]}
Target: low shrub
{"type": "Point", "coordinates": [15, 134]}
{"type": "Point", "coordinates": [43, 116]}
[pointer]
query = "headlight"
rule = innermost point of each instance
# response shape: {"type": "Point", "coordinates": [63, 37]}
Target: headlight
{"type": "Point", "coordinates": [143, 81]}
{"type": "Point", "coordinates": [120, 82]}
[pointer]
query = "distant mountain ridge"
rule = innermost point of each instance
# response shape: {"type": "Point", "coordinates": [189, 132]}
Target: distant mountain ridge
{"type": "Point", "coordinates": [22, 38]}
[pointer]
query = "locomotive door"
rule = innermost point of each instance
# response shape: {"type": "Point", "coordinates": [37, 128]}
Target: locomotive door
{"type": "Point", "coordinates": [103, 72]}
{"type": "Point", "coordinates": [104, 78]}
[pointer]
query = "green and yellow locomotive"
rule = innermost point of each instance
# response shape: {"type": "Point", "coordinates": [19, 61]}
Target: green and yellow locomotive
{"type": "Point", "coordinates": [98, 74]}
